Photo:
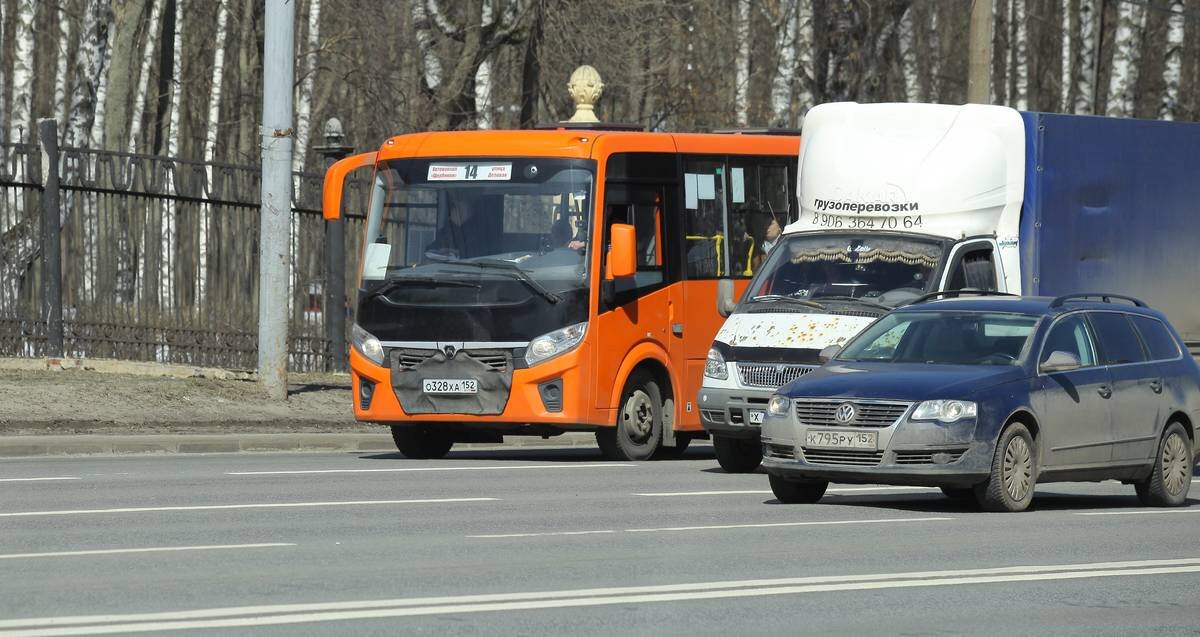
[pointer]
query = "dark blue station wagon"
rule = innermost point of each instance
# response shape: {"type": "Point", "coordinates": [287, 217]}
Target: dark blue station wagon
{"type": "Point", "coordinates": [987, 396]}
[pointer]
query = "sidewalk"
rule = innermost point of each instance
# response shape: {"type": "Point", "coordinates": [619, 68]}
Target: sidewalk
{"type": "Point", "coordinates": [69, 407]}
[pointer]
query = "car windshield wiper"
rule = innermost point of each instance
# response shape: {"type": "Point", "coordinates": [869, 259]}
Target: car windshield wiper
{"type": "Point", "coordinates": [789, 299]}
{"type": "Point", "coordinates": [855, 299]}
{"type": "Point", "coordinates": [517, 272]}
{"type": "Point", "coordinates": [392, 284]}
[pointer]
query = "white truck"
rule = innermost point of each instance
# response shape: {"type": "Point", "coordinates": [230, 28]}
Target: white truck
{"type": "Point", "coordinates": [900, 200]}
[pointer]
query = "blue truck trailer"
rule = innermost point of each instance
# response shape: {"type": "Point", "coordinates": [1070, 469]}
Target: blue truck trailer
{"type": "Point", "coordinates": [899, 200]}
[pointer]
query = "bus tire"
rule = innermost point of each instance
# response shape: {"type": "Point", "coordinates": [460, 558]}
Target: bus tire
{"type": "Point", "coordinates": [638, 430]}
{"type": "Point", "coordinates": [421, 444]}
{"type": "Point", "coordinates": [673, 453]}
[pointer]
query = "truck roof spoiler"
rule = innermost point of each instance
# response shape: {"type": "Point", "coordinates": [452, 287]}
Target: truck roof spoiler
{"type": "Point", "coordinates": [949, 294]}
{"type": "Point", "coordinates": [1103, 296]}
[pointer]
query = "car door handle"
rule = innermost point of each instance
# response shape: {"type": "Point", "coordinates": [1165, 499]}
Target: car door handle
{"type": "Point", "coordinates": [1105, 391]}
{"type": "Point", "coordinates": [1156, 386]}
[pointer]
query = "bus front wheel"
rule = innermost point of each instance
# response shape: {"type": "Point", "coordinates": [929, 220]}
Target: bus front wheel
{"type": "Point", "coordinates": [638, 431]}
{"type": "Point", "coordinates": [421, 444]}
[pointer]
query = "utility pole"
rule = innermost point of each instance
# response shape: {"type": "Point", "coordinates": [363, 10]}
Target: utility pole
{"type": "Point", "coordinates": [979, 61]}
{"type": "Point", "coordinates": [275, 217]}
{"type": "Point", "coordinates": [335, 256]}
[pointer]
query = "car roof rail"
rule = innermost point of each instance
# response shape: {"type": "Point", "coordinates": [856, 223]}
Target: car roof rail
{"type": "Point", "coordinates": [956, 293]}
{"type": "Point", "coordinates": [1103, 296]}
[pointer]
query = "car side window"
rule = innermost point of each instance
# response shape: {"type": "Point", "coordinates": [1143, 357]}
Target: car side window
{"type": "Point", "coordinates": [1070, 335]}
{"type": "Point", "coordinates": [1119, 344]}
{"type": "Point", "coordinates": [1157, 338]}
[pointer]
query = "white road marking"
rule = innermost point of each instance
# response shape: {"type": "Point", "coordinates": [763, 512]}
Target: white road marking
{"type": "Point", "coordinates": [1143, 512]}
{"type": "Point", "coordinates": [664, 529]}
{"type": "Point", "coordinates": [271, 505]}
{"type": "Point", "coordinates": [38, 479]}
{"type": "Point", "coordinates": [603, 465]}
{"type": "Point", "coordinates": [286, 614]}
{"type": "Point", "coordinates": [835, 490]}
{"type": "Point", "coordinates": [157, 549]}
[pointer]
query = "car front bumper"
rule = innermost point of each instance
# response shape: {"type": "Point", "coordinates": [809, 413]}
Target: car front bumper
{"type": "Point", "coordinates": [737, 413]}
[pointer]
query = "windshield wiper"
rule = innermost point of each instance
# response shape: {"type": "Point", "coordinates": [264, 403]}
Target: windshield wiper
{"type": "Point", "coordinates": [514, 269]}
{"type": "Point", "coordinates": [392, 284]}
{"type": "Point", "coordinates": [855, 299]}
{"type": "Point", "coordinates": [790, 299]}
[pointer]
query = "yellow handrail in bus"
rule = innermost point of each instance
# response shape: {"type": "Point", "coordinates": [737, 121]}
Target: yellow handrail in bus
{"type": "Point", "coordinates": [717, 239]}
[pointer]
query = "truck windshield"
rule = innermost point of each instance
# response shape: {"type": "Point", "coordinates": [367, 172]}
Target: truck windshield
{"type": "Point", "coordinates": [476, 249]}
{"type": "Point", "coordinates": [884, 271]}
{"type": "Point", "coordinates": [948, 338]}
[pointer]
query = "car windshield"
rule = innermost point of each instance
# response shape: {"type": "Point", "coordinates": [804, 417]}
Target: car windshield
{"type": "Point", "coordinates": [512, 218]}
{"type": "Point", "coordinates": [943, 337]}
{"type": "Point", "coordinates": [883, 270]}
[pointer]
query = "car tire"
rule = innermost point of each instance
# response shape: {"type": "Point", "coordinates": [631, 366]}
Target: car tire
{"type": "Point", "coordinates": [737, 455]}
{"type": "Point", "coordinates": [959, 493]}
{"type": "Point", "coordinates": [1169, 479]}
{"type": "Point", "coordinates": [638, 430]}
{"type": "Point", "coordinates": [797, 491]}
{"type": "Point", "coordinates": [421, 444]}
{"type": "Point", "coordinates": [1013, 477]}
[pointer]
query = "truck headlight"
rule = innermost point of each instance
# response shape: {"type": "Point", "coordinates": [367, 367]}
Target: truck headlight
{"type": "Point", "coordinates": [714, 365]}
{"type": "Point", "coordinates": [779, 405]}
{"type": "Point", "coordinates": [367, 344]}
{"type": "Point", "coordinates": [945, 410]}
{"type": "Point", "coordinates": [552, 344]}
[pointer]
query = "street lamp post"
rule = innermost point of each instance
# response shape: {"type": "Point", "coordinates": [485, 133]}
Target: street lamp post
{"type": "Point", "coordinates": [332, 150]}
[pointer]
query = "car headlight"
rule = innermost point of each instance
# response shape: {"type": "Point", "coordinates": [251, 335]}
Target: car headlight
{"type": "Point", "coordinates": [945, 410]}
{"type": "Point", "coordinates": [367, 344]}
{"type": "Point", "coordinates": [779, 405]}
{"type": "Point", "coordinates": [714, 365]}
{"type": "Point", "coordinates": [549, 345]}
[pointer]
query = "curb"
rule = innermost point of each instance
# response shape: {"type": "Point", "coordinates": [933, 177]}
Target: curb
{"type": "Point", "coordinates": [90, 445]}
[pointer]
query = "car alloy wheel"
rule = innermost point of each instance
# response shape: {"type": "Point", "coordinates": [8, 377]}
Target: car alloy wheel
{"type": "Point", "coordinates": [1018, 468]}
{"type": "Point", "coordinates": [1175, 464]}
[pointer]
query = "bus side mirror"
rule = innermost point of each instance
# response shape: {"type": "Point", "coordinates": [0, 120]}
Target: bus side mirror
{"type": "Point", "coordinates": [725, 301]}
{"type": "Point", "coordinates": [621, 259]}
{"type": "Point", "coordinates": [828, 353]}
{"type": "Point", "coordinates": [335, 178]}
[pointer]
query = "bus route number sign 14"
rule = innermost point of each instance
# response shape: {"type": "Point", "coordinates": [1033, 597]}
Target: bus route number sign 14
{"type": "Point", "coordinates": [470, 172]}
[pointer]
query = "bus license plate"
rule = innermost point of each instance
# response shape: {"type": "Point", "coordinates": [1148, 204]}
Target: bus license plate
{"type": "Point", "coordinates": [826, 439]}
{"type": "Point", "coordinates": [450, 386]}
{"type": "Point", "coordinates": [756, 416]}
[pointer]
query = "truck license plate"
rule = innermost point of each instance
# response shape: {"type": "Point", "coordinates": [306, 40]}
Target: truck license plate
{"type": "Point", "coordinates": [450, 386]}
{"type": "Point", "coordinates": [827, 439]}
{"type": "Point", "coordinates": [756, 416]}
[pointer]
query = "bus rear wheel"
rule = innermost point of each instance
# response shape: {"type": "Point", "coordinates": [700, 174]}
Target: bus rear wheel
{"type": "Point", "coordinates": [638, 431]}
{"type": "Point", "coordinates": [421, 444]}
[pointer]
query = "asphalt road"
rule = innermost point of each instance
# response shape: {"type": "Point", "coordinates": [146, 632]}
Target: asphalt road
{"type": "Point", "coordinates": [537, 541]}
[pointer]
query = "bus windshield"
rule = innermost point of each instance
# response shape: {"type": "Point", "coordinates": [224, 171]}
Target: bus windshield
{"type": "Point", "coordinates": [881, 271]}
{"type": "Point", "coordinates": [463, 235]}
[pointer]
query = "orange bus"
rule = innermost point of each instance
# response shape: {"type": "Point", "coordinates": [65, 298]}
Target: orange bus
{"type": "Point", "coordinates": [536, 282]}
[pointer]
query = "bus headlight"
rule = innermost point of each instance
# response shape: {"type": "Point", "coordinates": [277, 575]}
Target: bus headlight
{"type": "Point", "coordinates": [714, 365]}
{"type": "Point", "coordinates": [945, 410]}
{"type": "Point", "coordinates": [367, 344]}
{"type": "Point", "coordinates": [549, 345]}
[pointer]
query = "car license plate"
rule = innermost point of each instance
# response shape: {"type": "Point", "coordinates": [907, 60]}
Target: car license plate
{"type": "Point", "coordinates": [756, 416]}
{"type": "Point", "coordinates": [450, 386]}
{"type": "Point", "coordinates": [841, 439]}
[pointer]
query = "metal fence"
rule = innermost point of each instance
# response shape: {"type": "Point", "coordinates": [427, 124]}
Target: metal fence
{"type": "Point", "coordinates": [160, 260]}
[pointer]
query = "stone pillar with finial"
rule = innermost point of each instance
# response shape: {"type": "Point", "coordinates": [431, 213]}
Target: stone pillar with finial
{"type": "Point", "coordinates": [585, 88]}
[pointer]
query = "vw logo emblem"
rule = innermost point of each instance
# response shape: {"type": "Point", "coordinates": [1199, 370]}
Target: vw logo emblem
{"type": "Point", "coordinates": [449, 351]}
{"type": "Point", "coordinates": [844, 413]}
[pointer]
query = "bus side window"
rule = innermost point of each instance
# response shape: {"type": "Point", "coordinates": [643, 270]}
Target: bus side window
{"type": "Point", "coordinates": [760, 205]}
{"type": "Point", "coordinates": [705, 222]}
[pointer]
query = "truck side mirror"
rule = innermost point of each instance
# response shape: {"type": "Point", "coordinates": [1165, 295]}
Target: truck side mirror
{"type": "Point", "coordinates": [725, 300]}
{"type": "Point", "coordinates": [622, 262]}
{"type": "Point", "coordinates": [828, 353]}
{"type": "Point", "coordinates": [335, 178]}
{"type": "Point", "coordinates": [1060, 361]}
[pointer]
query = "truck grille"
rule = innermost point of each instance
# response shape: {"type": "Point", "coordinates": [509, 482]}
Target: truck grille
{"type": "Point", "coordinates": [866, 413]}
{"type": "Point", "coordinates": [407, 359]}
{"type": "Point", "coordinates": [771, 375]}
{"type": "Point", "coordinates": [842, 457]}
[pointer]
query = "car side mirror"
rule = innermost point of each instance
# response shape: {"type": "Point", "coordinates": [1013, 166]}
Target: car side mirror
{"type": "Point", "coordinates": [828, 353]}
{"type": "Point", "coordinates": [622, 260]}
{"type": "Point", "coordinates": [726, 302]}
{"type": "Point", "coordinates": [1060, 361]}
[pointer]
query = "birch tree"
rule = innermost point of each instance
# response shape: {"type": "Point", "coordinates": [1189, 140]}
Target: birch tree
{"type": "Point", "coordinates": [21, 117]}
{"type": "Point", "coordinates": [741, 82]}
{"type": "Point", "coordinates": [308, 67]}
{"type": "Point", "coordinates": [1127, 46]}
{"type": "Point", "coordinates": [1174, 64]}
{"type": "Point", "coordinates": [62, 77]}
